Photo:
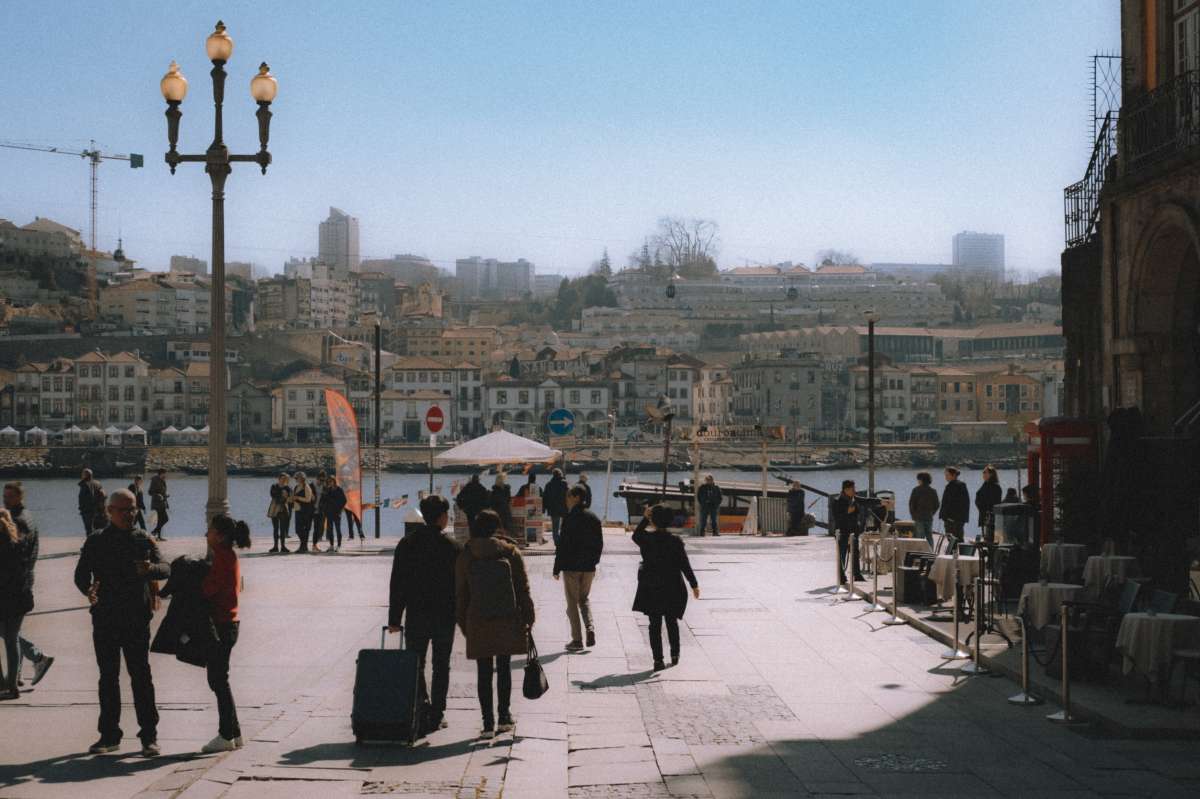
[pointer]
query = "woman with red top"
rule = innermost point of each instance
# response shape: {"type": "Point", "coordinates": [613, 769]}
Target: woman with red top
{"type": "Point", "coordinates": [220, 587]}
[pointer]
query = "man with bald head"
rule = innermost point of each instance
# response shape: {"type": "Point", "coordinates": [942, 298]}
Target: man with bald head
{"type": "Point", "coordinates": [116, 566]}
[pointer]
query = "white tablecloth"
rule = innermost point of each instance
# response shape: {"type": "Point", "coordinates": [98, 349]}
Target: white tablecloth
{"type": "Point", "coordinates": [902, 547]}
{"type": "Point", "coordinates": [1040, 604]}
{"type": "Point", "coordinates": [942, 573]}
{"type": "Point", "coordinates": [1147, 641]}
{"type": "Point", "coordinates": [1099, 568]}
{"type": "Point", "coordinates": [1061, 559]}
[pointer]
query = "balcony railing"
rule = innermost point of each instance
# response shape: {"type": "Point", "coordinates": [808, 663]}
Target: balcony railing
{"type": "Point", "coordinates": [1082, 199]}
{"type": "Point", "coordinates": [1161, 122]}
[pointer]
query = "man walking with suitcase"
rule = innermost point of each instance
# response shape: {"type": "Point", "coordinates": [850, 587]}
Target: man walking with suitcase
{"type": "Point", "coordinates": [422, 594]}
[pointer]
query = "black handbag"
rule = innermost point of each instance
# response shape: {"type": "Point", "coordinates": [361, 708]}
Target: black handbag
{"type": "Point", "coordinates": [536, 683]}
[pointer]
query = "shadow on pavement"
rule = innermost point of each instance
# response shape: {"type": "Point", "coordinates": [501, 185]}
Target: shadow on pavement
{"type": "Point", "coordinates": [614, 680]}
{"type": "Point", "coordinates": [375, 755]}
{"type": "Point", "coordinates": [80, 767]}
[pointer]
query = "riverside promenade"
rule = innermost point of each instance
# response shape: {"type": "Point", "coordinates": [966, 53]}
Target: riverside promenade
{"type": "Point", "coordinates": [782, 691]}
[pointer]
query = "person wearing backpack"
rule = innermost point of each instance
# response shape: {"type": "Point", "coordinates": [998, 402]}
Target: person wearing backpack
{"type": "Point", "coordinates": [422, 595]}
{"type": "Point", "coordinates": [494, 610]}
{"type": "Point", "coordinates": [576, 558]}
{"type": "Point", "coordinates": [660, 591]}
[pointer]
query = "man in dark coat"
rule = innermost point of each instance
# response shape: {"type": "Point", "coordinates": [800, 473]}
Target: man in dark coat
{"type": "Point", "coordinates": [709, 497]}
{"type": "Point", "coordinates": [796, 509]}
{"type": "Point", "coordinates": [89, 498]}
{"type": "Point", "coordinates": [849, 518]}
{"type": "Point", "coordinates": [158, 502]}
{"type": "Point", "coordinates": [115, 568]}
{"type": "Point", "coordinates": [575, 558]}
{"type": "Point", "coordinates": [554, 499]}
{"type": "Point", "coordinates": [988, 497]}
{"type": "Point", "coordinates": [956, 505]}
{"type": "Point", "coordinates": [472, 498]}
{"type": "Point", "coordinates": [422, 594]}
{"type": "Point", "coordinates": [587, 491]}
{"type": "Point", "coordinates": [14, 500]}
{"type": "Point", "coordinates": [923, 503]}
{"type": "Point", "coordinates": [135, 488]}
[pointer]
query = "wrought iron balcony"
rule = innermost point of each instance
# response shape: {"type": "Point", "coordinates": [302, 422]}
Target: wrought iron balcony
{"type": "Point", "coordinates": [1082, 200]}
{"type": "Point", "coordinates": [1161, 123]}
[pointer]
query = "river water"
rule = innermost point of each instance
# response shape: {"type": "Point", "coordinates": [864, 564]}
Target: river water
{"type": "Point", "coordinates": [53, 500]}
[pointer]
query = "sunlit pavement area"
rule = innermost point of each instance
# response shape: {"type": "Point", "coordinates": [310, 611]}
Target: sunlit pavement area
{"type": "Point", "coordinates": [782, 691]}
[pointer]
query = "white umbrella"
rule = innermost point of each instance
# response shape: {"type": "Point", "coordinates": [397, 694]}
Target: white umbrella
{"type": "Point", "coordinates": [498, 448]}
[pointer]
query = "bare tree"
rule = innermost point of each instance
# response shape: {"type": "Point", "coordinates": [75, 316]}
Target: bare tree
{"type": "Point", "coordinates": [832, 257]}
{"type": "Point", "coordinates": [688, 246]}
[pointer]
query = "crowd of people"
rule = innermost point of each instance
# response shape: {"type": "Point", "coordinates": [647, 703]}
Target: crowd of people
{"type": "Point", "coordinates": [316, 506]}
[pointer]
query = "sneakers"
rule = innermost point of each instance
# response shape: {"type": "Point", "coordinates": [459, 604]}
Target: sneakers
{"type": "Point", "coordinates": [273, 549]}
{"type": "Point", "coordinates": [239, 742]}
{"type": "Point", "coordinates": [574, 646]}
{"type": "Point", "coordinates": [659, 665]}
{"type": "Point", "coordinates": [486, 734]}
{"type": "Point", "coordinates": [675, 659]}
{"type": "Point", "coordinates": [103, 747]}
{"type": "Point", "coordinates": [591, 637]}
{"type": "Point", "coordinates": [285, 551]}
{"type": "Point", "coordinates": [219, 744]}
{"type": "Point", "coordinates": [505, 724]}
{"type": "Point", "coordinates": [41, 667]}
{"type": "Point", "coordinates": [9, 693]}
{"type": "Point", "coordinates": [316, 548]}
{"type": "Point", "coordinates": [150, 749]}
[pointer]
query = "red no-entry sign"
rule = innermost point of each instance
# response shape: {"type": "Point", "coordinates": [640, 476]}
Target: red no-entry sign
{"type": "Point", "coordinates": [434, 419]}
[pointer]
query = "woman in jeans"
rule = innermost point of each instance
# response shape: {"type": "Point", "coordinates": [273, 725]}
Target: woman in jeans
{"type": "Point", "coordinates": [495, 613]}
{"type": "Point", "coordinates": [220, 587]}
{"type": "Point", "coordinates": [280, 512]}
{"type": "Point", "coordinates": [18, 554]}
{"type": "Point", "coordinates": [661, 594]}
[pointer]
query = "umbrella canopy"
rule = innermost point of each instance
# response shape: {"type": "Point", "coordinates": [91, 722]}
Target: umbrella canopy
{"type": "Point", "coordinates": [498, 448]}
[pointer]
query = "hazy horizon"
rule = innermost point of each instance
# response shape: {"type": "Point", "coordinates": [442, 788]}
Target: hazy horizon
{"type": "Point", "coordinates": [553, 131]}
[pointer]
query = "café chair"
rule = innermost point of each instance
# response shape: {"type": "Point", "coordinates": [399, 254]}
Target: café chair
{"type": "Point", "coordinates": [1190, 658]}
{"type": "Point", "coordinates": [1162, 601]}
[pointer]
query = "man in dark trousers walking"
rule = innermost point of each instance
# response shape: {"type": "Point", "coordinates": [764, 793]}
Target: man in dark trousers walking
{"type": "Point", "coordinates": [956, 505]}
{"type": "Point", "coordinates": [139, 496]}
{"type": "Point", "coordinates": [89, 498]}
{"type": "Point", "coordinates": [554, 499]}
{"type": "Point", "coordinates": [116, 566]}
{"type": "Point", "coordinates": [158, 502]}
{"type": "Point", "coordinates": [472, 498]}
{"type": "Point", "coordinates": [14, 501]}
{"type": "Point", "coordinates": [422, 594]}
{"type": "Point", "coordinates": [575, 558]}
{"type": "Point", "coordinates": [709, 497]}
{"type": "Point", "coordinates": [849, 517]}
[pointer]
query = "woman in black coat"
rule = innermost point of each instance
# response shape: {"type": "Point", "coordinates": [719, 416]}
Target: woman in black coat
{"type": "Point", "coordinates": [502, 503]}
{"type": "Point", "coordinates": [986, 498]}
{"type": "Point", "coordinates": [660, 592]}
{"type": "Point", "coordinates": [18, 554]}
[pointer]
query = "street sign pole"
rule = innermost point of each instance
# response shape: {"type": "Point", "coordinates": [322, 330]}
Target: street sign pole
{"type": "Point", "coordinates": [434, 419]}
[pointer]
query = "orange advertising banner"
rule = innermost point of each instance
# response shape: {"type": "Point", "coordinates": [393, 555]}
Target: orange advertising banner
{"type": "Point", "coordinates": [343, 430]}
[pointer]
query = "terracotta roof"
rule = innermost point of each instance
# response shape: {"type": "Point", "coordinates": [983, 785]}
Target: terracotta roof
{"type": "Point", "coordinates": [755, 270]}
{"type": "Point", "coordinates": [418, 362]}
{"type": "Point", "coordinates": [312, 377]}
{"type": "Point", "coordinates": [841, 269]}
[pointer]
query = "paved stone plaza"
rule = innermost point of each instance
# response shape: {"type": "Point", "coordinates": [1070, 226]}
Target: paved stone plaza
{"type": "Point", "coordinates": [782, 691]}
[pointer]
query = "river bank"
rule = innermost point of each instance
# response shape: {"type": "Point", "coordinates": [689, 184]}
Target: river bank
{"type": "Point", "coordinates": [266, 459]}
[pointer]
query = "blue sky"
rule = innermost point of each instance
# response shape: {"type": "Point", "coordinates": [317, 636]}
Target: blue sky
{"type": "Point", "coordinates": [552, 130]}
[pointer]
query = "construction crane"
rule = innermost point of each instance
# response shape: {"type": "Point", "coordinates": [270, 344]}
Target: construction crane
{"type": "Point", "coordinates": [94, 157]}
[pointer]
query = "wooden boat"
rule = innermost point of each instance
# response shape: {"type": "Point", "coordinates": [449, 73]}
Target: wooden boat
{"type": "Point", "coordinates": [737, 498]}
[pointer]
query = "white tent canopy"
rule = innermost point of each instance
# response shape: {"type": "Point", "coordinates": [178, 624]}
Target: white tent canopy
{"type": "Point", "coordinates": [35, 435]}
{"type": "Point", "coordinates": [135, 433]}
{"type": "Point", "coordinates": [169, 434]}
{"type": "Point", "coordinates": [10, 435]}
{"type": "Point", "coordinates": [498, 448]}
{"type": "Point", "coordinates": [93, 433]}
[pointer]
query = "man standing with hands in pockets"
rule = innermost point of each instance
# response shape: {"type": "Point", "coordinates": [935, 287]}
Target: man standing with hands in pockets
{"type": "Point", "coordinates": [116, 566]}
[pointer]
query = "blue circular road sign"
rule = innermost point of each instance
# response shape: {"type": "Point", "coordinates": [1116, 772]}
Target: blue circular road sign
{"type": "Point", "coordinates": [561, 422]}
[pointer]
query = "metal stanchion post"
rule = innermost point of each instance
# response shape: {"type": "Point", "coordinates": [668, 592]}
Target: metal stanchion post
{"type": "Point", "coordinates": [894, 619]}
{"type": "Point", "coordinates": [1065, 716]}
{"type": "Point", "coordinates": [839, 587]}
{"type": "Point", "coordinates": [875, 606]}
{"type": "Point", "coordinates": [1025, 697]}
{"type": "Point", "coordinates": [956, 652]}
{"type": "Point", "coordinates": [976, 665]}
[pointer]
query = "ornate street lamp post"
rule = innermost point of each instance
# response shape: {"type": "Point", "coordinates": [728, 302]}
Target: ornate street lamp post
{"type": "Point", "coordinates": [216, 160]}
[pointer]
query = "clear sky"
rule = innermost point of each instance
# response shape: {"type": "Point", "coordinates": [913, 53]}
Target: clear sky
{"type": "Point", "coordinates": [553, 130]}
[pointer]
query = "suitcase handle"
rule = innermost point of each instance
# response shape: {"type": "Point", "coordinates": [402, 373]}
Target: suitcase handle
{"type": "Point", "coordinates": [383, 637]}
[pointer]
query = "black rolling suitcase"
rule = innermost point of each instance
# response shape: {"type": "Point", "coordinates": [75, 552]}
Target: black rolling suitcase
{"type": "Point", "coordinates": [385, 694]}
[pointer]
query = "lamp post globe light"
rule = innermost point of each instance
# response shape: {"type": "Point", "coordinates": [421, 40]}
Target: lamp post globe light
{"type": "Point", "coordinates": [217, 160]}
{"type": "Point", "coordinates": [872, 317]}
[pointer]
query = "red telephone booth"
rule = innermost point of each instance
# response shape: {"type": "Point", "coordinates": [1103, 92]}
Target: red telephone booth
{"type": "Point", "coordinates": [1054, 444]}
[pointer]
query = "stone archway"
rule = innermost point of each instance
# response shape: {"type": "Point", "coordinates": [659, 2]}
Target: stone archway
{"type": "Point", "coordinates": [1163, 320]}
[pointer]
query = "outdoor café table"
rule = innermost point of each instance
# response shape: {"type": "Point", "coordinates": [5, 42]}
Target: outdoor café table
{"type": "Point", "coordinates": [1100, 568]}
{"type": "Point", "coordinates": [903, 547]}
{"type": "Point", "coordinates": [942, 574]}
{"type": "Point", "coordinates": [1146, 640]}
{"type": "Point", "coordinates": [1061, 559]}
{"type": "Point", "coordinates": [1040, 604]}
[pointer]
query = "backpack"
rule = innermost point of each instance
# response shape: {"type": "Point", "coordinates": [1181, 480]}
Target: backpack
{"type": "Point", "coordinates": [492, 588]}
